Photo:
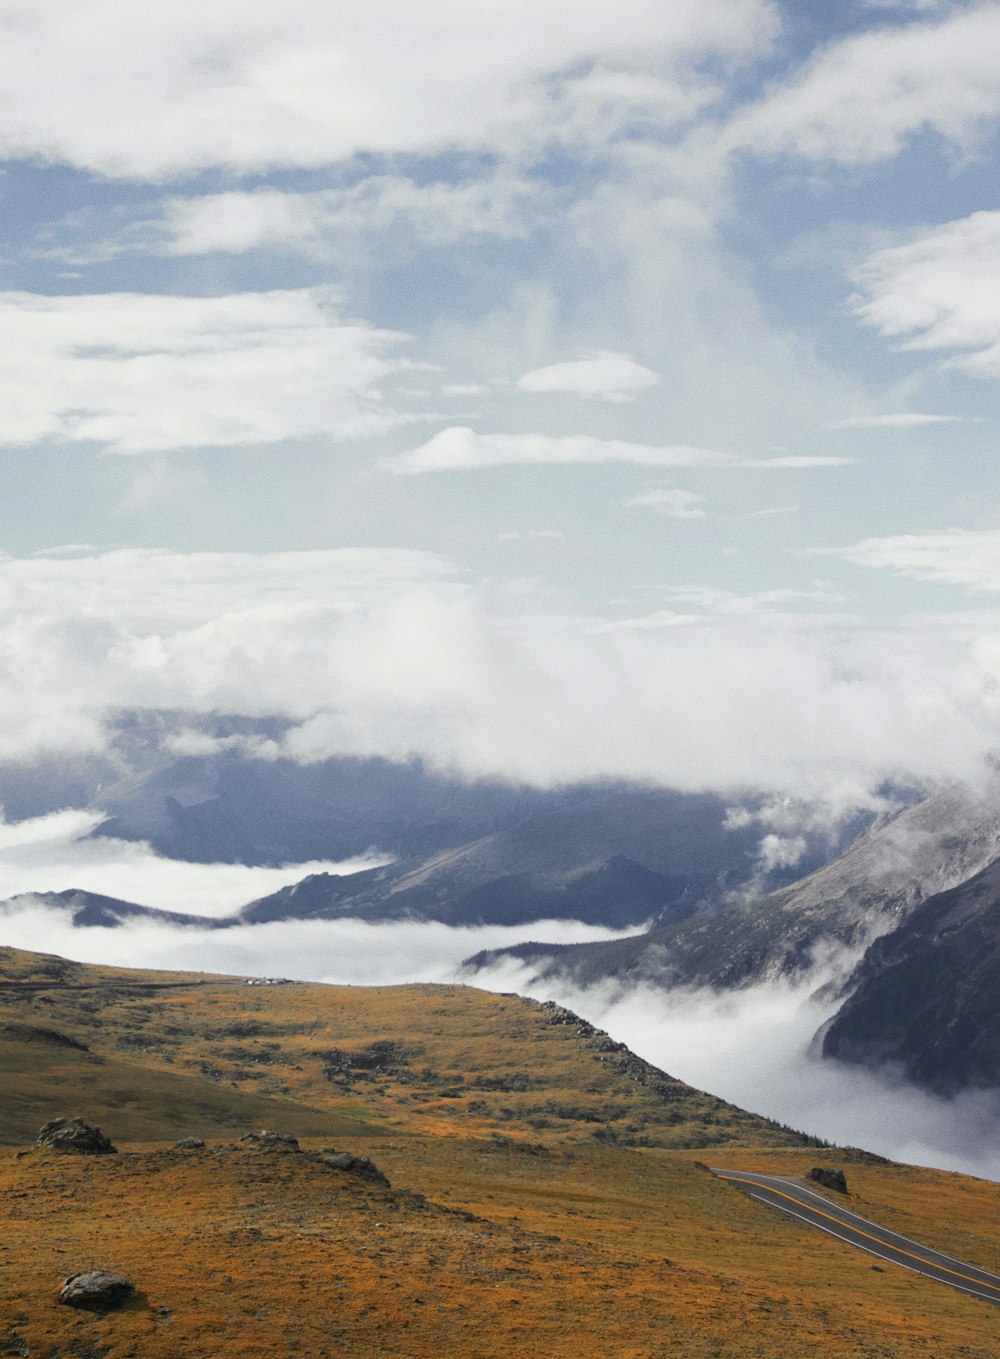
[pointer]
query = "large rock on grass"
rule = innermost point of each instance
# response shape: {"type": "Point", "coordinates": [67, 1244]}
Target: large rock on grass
{"type": "Point", "coordinates": [273, 1141]}
{"type": "Point", "coordinates": [73, 1134]}
{"type": "Point", "coordinates": [829, 1178]}
{"type": "Point", "coordinates": [95, 1291]}
{"type": "Point", "coordinates": [362, 1166]}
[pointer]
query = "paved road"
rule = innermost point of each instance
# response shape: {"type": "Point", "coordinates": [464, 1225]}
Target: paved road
{"type": "Point", "coordinates": [792, 1197]}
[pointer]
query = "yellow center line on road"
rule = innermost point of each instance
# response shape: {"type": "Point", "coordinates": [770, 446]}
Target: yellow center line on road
{"type": "Point", "coordinates": [886, 1245]}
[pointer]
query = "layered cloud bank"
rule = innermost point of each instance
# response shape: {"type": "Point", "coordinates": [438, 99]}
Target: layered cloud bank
{"type": "Point", "coordinates": [392, 653]}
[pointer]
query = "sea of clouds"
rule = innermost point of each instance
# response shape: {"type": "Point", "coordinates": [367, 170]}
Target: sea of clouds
{"type": "Point", "coordinates": [379, 652]}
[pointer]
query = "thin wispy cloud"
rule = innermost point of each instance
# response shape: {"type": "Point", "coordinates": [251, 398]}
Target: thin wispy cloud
{"type": "Point", "coordinates": [969, 557]}
{"type": "Point", "coordinates": [674, 503]}
{"type": "Point", "coordinates": [132, 373]}
{"type": "Point", "coordinates": [459, 448]}
{"type": "Point", "coordinates": [379, 207]}
{"type": "Point", "coordinates": [531, 535]}
{"type": "Point", "coordinates": [940, 291]}
{"type": "Point", "coordinates": [770, 511]}
{"type": "Point", "coordinates": [900, 420]}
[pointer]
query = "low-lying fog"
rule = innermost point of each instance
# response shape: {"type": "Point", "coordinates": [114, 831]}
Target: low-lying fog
{"type": "Point", "coordinates": [52, 853]}
{"type": "Point", "coordinates": [750, 1047]}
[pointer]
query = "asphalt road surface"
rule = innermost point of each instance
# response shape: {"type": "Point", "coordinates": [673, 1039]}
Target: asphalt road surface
{"type": "Point", "coordinates": [792, 1197]}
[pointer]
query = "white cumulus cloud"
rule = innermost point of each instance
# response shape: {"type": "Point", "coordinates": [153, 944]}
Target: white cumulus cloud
{"type": "Point", "coordinates": [860, 100]}
{"type": "Point", "coordinates": [603, 376]}
{"type": "Point", "coordinates": [156, 90]}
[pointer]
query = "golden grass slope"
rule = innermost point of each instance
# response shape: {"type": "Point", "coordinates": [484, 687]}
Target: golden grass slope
{"type": "Point", "coordinates": [511, 1228]}
{"type": "Point", "coordinates": [455, 1058]}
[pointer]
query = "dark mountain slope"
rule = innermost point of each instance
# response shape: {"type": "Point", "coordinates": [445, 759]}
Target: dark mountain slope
{"type": "Point", "coordinates": [89, 909]}
{"type": "Point", "coordinates": [618, 893]}
{"type": "Point", "coordinates": [866, 891]}
{"type": "Point", "coordinates": [730, 947]}
{"type": "Point", "coordinates": [613, 855]}
{"type": "Point", "coordinates": [464, 850]}
{"type": "Point", "coordinates": [926, 998]}
{"type": "Point", "coordinates": [229, 808]}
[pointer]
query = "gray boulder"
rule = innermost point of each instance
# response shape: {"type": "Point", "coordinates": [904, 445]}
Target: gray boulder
{"type": "Point", "coordinates": [191, 1144]}
{"type": "Point", "coordinates": [275, 1141]}
{"type": "Point", "coordinates": [361, 1166]}
{"type": "Point", "coordinates": [829, 1178]}
{"type": "Point", "coordinates": [73, 1134]}
{"type": "Point", "coordinates": [95, 1291]}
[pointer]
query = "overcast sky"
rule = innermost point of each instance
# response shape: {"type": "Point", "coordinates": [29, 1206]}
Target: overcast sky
{"type": "Point", "coordinates": [548, 388]}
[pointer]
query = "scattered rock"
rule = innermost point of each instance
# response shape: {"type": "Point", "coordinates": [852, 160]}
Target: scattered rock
{"type": "Point", "coordinates": [361, 1166]}
{"type": "Point", "coordinates": [275, 1141]}
{"type": "Point", "coordinates": [95, 1291]}
{"type": "Point", "coordinates": [829, 1178]}
{"type": "Point", "coordinates": [191, 1144]}
{"type": "Point", "coordinates": [381, 1058]}
{"type": "Point", "coordinates": [73, 1134]}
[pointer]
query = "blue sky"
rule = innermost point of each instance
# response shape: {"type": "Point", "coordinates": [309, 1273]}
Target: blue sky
{"type": "Point", "coordinates": [546, 389]}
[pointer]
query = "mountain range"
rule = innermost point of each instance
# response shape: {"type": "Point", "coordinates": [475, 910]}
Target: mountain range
{"type": "Point", "coordinates": [902, 908]}
{"type": "Point", "coordinates": [917, 896]}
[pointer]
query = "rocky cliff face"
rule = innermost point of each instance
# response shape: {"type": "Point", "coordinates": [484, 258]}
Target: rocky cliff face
{"type": "Point", "coordinates": [925, 997]}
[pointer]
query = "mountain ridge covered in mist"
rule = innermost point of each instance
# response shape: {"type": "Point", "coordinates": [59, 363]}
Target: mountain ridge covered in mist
{"type": "Point", "coordinates": [682, 870]}
{"type": "Point", "coordinates": [882, 876]}
{"type": "Point", "coordinates": [919, 890]}
{"type": "Point", "coordinates": [923, 1000]}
